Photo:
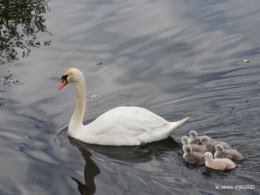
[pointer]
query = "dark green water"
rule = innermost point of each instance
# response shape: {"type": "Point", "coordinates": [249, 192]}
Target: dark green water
{"type": "Point", "coordinates": [175, 58]}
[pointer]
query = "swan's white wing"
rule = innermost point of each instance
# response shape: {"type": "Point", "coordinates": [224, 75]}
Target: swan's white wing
{"type": "Point", "coordinates": [132, 120]}
{"type": "Point", "coordinates": [126, 126]}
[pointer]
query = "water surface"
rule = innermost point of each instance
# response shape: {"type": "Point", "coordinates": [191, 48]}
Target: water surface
{"type": "Point", "coordinates": [175, 58]}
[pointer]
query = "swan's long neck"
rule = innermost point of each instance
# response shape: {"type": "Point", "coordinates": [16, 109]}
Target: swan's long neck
{"type": "Point", "coordinates": [76, 122]}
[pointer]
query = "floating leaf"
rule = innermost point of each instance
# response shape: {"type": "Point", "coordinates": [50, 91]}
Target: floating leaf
{"type": "Point", "coordinates": [100, 63]}
{"type": "Point", "coordinates": [93, 96]}
{"type": "Point", "coordinates": [18, 83]}
{"type": "Point", "coordinates": [245, 60]}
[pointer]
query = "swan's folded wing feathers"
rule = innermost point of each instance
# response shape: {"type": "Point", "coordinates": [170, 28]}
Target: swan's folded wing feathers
{"type": "Point", "coordinates": [103, 124]}
{"type": "Point", "coordinates": [133, 121]}
{"type": "Point", "coordinates": [141, 121]}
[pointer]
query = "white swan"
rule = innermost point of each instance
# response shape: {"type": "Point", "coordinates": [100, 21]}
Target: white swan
{"type": "Point", "coordinates": [119, 126]}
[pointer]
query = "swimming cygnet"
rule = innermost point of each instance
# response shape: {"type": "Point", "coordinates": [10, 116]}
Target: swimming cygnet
{"type": "Point", "coordinates": [192, 157]}
{"type": "Point", "coordinates": [211, 145]}
{"type": "Point", "coordinates": [232, 154]}
{"type": "Point", "coordinates": [195, 139]}
{"type": "Point", "coordinates": [218, 163]}
{"type": "Point", "coordinates": [195, 148]}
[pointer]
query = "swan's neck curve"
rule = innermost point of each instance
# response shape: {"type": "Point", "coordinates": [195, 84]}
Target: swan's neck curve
{"type": "Point", "coordinates": [76, 121]}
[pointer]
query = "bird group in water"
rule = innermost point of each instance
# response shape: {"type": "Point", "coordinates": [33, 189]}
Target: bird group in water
{"type": "Point", "coordinates": [203, 150]}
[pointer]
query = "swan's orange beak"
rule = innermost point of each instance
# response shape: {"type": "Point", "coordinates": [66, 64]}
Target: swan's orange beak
{"type": "Point", "coordinates": [63, 83]}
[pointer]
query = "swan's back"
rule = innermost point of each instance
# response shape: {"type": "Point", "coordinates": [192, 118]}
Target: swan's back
{"type": "Point", "coordinates": [127, 126]}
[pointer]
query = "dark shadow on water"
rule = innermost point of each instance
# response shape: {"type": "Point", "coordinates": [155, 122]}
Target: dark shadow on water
{"type": "Point", "coordinates": [127, 154]}
{"type": "Point", "coordinates": [91, 171]}
{"type": "Point", "coordinates": [20, 21]}
{"type": "Point", "coordinates": [132, 154]}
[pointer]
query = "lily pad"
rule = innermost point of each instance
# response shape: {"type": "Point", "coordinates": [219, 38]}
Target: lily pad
{"type": "Point", "coordinates": [245, 60]}
{"type": "Point", "coordinates": [93, 96]}
{"type": "Point", "coordinates": [100, 63]}
{"type": "Point", "coordinates": [18, 83]}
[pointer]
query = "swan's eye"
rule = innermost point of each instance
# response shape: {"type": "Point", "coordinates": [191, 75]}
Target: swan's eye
{"type": "Point", "coordinates": [64, 77]}
{"type": "Point", "coordinates": [64, 81]}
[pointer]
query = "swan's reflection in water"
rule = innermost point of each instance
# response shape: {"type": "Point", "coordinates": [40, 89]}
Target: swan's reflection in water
{"type": "Point", "coordinates": [90, 172]}
{"type": "Point", "coordinates": [127, 154]}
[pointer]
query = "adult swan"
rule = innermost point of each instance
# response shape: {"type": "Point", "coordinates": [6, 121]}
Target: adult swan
{"type": "Point", "coordinates": [117, 127]}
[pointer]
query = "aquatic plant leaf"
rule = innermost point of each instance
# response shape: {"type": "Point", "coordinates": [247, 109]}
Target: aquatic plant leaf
{"type": "Point", "coordinates": [18, 83]}
{"type": "Point", "coordinates": [245, 60]}
{"type": "Point", "coordinates": [93, 96]}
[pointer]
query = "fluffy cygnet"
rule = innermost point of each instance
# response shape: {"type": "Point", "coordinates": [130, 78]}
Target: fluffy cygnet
{"type": "Point", "coordinates": [195, 139]}
{"type": "Point", "coordinates": [195, 148]}
{"type": "Point", "coordinates": [218, 163]}
{"type": "Point", "coordinates": [232, 154]}
{"type": "Point", "coordinates": [192, 157]}
{"type": "Point", "coordinates": [211, 145]}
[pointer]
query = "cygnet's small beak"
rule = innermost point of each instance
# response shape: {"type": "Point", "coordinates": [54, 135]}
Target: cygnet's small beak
{"type": "Point", "coordinates": [63, 83]}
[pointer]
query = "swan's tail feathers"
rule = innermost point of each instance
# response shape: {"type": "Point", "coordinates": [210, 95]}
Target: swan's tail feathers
{"type": "Point", "coordinates": [175, 125]}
